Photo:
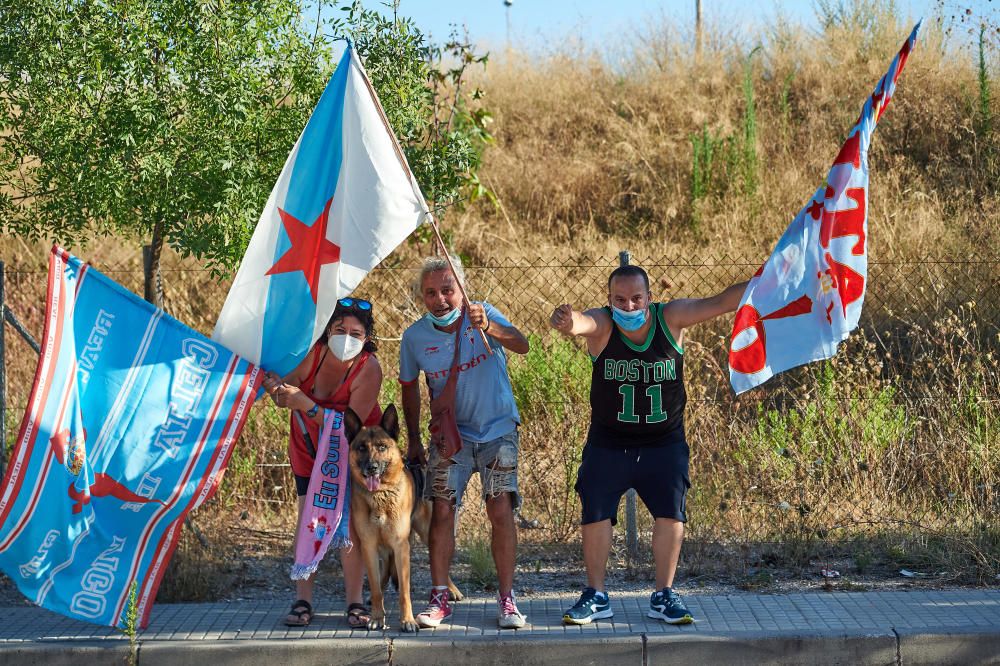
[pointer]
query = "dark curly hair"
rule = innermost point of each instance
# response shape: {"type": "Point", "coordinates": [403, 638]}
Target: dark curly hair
{"type": "Point", "coordinates": [366, 317]}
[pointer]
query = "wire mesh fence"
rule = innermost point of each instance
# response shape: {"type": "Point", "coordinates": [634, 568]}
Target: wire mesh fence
{"type": "Point", "coordinates": [897, 436]}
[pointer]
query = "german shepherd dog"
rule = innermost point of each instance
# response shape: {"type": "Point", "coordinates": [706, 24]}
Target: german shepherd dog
{"type": "Point", "coordinates": [384, 510]}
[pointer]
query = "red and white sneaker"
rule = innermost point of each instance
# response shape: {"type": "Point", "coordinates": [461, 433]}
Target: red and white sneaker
{"type": "Point", "coordinates": [438, 610]}
{"type": "Point", "coordinates": [508, 616]}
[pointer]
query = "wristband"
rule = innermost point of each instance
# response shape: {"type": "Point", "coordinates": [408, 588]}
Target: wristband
{"type": "Point", "coordinates": [313, 411]}
{"type": "Point", "coordinates": [489, 322]}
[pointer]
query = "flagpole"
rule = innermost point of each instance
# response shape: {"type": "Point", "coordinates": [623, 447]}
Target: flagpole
{"type": "Point", "coordinates": [413, 183]}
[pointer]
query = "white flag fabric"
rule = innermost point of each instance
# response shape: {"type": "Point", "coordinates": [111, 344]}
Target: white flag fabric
{"type": "Point", "coordinates": [807, 297]}
{"type": "Point", "coordinates": [343, 202]}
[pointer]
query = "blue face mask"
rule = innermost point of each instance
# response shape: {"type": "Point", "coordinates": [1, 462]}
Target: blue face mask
{"type": "Point", "coordinates": [629, 321]}
{"type": "Point", "coordinates": [446, 320]}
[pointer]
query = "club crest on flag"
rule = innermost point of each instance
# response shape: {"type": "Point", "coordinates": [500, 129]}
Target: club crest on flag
{"type": "Point", "coordinates": [807, 296]}
{"type": "Point", "coordinates": [344, 200]}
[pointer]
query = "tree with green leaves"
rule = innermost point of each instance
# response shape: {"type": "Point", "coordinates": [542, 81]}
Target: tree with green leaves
{"type": "Point", "coordinates": [165, 120]}
{"type": "Point", "coordinates": [169, 120]}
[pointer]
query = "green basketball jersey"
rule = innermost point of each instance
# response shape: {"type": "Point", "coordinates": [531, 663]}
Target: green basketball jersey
{"type": "Point", "coordinates": [637, 392]}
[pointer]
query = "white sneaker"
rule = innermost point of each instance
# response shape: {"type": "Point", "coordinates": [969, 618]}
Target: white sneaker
{"type": "Point", "coordinates": [508, 616]}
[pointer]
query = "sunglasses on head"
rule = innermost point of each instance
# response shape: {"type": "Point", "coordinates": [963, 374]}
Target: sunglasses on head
{"type": "Point", "coordinates": [361, 303]}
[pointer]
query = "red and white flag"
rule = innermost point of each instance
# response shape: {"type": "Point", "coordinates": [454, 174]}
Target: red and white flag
{"type": "Point", "coordinates": [807, 297]}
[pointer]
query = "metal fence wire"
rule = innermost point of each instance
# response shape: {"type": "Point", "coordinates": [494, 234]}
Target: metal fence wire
{"type": "Point", "coordinates": [898, 433]}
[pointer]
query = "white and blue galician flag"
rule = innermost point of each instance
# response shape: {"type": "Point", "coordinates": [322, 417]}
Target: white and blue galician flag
{"type": "Point", "coordinates": [807, 297]}
{"type": "Point", "coordinates": [345, 199]}
{"type": "Point", "coordinates": [130, 425]}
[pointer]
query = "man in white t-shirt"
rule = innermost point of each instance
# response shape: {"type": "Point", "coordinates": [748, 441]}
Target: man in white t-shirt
{"type": "Point", "coordinates": [487, 421]}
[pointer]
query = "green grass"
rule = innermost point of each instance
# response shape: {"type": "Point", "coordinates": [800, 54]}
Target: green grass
{"type": "Point", "coordinates": [482, 569]}
{"type": "Point", "coordinates": [748, 157]}
{"type": "Point", "coordinates": [720, 163]}
{"type": "Point", "coordinates": [552, 378]}
{"type": "Point", "coordinates": [983, 81]}
{"type": "Point", "coordinates": [705, 148]}
{"type": "Point", "coordinates": [834, 428]}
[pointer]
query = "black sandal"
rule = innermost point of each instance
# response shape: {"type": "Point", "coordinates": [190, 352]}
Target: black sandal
{"type": "Point", "coordinates": [302, 612]}
{"type": "Point", "coordinates": [358, 616]}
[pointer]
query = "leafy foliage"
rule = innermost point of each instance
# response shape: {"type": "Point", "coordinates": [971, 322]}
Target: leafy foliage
{"type": "Point", "coordinates": [551, 377]}
{"type": "Point", "coordinates": [131, 117]}
{"type": "Point", "coordinates": [122, 114]}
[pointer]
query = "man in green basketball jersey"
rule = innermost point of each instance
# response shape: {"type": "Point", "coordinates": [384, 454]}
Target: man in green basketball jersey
{"type": "Point", "coordinates": [636, 438]}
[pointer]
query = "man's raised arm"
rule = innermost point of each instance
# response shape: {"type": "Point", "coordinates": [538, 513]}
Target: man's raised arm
{"type": "Point", "coordinates": [684, 312]}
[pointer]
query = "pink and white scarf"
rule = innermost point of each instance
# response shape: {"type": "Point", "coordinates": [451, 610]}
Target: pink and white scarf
{"type": "Point", "coordinates": [324, 522]}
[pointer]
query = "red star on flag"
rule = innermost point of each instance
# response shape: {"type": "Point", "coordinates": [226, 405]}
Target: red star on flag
{"type": "Point", "coordinates": [310, 249]}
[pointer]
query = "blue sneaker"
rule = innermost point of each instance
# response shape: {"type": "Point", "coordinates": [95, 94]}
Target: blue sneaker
{"type": "Point", "coordinates": [592, 605]}
{"type": "Point", "coordinates": [666, 605]}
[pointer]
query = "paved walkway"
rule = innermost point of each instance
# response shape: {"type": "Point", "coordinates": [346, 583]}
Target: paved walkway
{"type": "Point", "coordinates": [914, 627]}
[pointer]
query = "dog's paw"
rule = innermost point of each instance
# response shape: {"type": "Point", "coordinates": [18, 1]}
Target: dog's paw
{"type": "Point", "coordinates": [456, 595]}
{"type": "Point", "coordinates": [377, 624]}
{"type": "Point", "coordinates": [409, 626]}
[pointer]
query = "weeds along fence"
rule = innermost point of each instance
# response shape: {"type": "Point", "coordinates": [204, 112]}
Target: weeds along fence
{"type": "Point", "coordinates": [890, 452]}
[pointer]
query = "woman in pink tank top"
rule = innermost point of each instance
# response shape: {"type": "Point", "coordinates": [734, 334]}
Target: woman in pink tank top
{"type": "Point", "coordinates": [340, 371]}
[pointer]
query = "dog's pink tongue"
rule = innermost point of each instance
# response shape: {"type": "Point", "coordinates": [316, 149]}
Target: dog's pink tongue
{"type": "Point", "coordinates": [372, 482]}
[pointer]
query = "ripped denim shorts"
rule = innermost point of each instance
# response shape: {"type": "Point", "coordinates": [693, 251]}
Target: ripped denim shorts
{"type": "Point", "coordinates": [495, 460]}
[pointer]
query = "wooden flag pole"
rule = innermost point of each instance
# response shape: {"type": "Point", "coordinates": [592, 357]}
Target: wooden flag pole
{"type": "Point", "coordinates": [416, 188]}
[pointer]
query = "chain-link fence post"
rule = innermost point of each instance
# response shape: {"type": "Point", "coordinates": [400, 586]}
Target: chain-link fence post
{"type": "Point", "coordinates": [631, 530]}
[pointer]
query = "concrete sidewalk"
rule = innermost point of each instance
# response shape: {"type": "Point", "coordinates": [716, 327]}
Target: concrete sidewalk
{"type": "Point", "coordinates": [916, 627]}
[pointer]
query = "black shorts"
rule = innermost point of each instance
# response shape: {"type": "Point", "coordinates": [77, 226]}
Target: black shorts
{"type": "Point", "coordinates": [659, 475]}
{"type": "Point", "coordinates": [301, 485]}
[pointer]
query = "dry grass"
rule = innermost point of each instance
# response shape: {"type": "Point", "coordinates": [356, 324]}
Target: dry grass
{"type": "Point", "coordinates": [594, 156]}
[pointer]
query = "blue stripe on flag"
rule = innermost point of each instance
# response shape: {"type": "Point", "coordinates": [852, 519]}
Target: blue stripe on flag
{"type": "Point", "coordinates": [290, 311]}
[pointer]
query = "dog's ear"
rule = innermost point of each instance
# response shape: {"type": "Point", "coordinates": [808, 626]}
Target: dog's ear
{"type": "Point", "coordinates": [352, 424]}
{"type": "Point", "coordinates": [390, 421]}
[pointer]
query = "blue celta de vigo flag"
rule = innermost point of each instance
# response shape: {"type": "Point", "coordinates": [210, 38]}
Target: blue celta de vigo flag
{"type": "Point", "coordinates": [130, 425]}
{"type": "Point", "coordinates": [344, 200]}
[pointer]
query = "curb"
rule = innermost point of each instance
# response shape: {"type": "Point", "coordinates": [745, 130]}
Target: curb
{"type": "Point", "coordinates": [953, 645]}
{"type": "Point", "coordinates": [65, 653]}
{"type": "Point", "coordinates": [960, 645]}
{"type": "Point", "coordinates": [874, 646]}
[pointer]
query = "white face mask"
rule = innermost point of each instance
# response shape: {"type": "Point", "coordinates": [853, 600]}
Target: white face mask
{"type": "Point", "coordinates": [345, 347]}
